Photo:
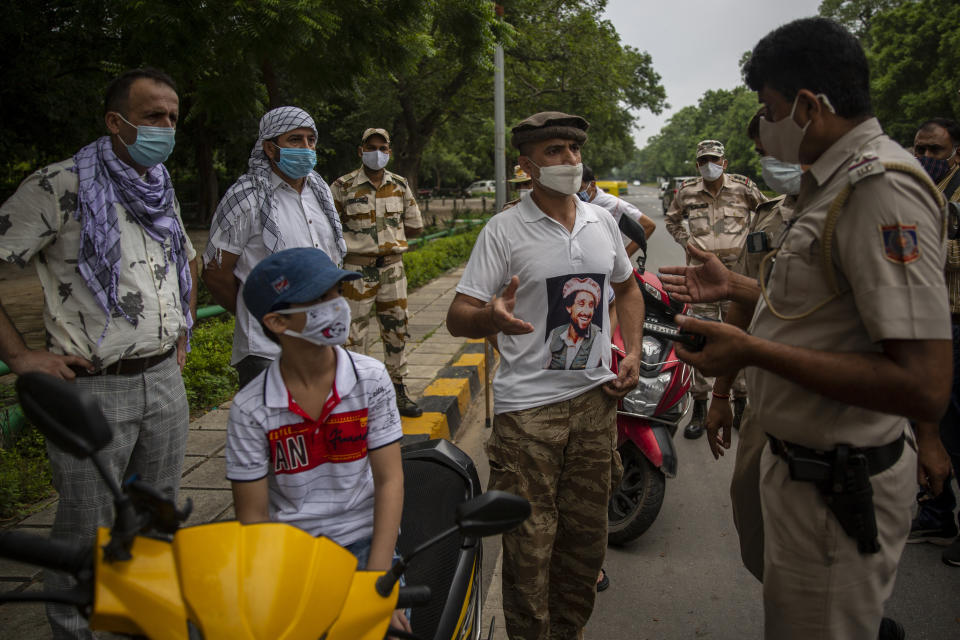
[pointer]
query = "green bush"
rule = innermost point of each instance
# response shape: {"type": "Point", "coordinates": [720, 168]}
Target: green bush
{"type": "Point", "coordinates": [208, 376]}
{"type": "Point", "coordinates": [436, 256]}
{"type": "Point", "coordinates": [24, 474]}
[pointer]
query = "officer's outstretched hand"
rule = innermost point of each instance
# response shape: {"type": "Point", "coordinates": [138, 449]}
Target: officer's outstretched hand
{"type": "Point", "coordinates": [933, 461]}
{"type": "Point", "coordinates": [501, 312]}
{"type": "Point", "coordinates": [719, 421]}
{"type": "Point", "coordinates": [708, 281]}
{"type": "Point", "coordinates": [725, 351]}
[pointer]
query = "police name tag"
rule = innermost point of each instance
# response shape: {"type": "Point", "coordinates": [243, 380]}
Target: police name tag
{"type": "Point", "coordinates": [864, 166]}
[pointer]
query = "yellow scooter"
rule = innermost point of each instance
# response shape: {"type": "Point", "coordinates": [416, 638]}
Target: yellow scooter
{"type": "Point", "coordinates": [147, 576]}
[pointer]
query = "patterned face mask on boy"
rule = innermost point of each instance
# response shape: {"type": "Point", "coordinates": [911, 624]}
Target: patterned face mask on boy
{"type": "Point", "coordinates": [328, 323]}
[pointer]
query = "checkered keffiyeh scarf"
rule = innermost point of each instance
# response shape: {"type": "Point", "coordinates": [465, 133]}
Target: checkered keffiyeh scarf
{"type": "Point", "coordinates": [252, 191]}
{"type": "Point", "coordinates": [105, 181]}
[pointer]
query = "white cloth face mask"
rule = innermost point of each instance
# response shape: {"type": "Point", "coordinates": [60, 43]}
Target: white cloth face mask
{"type": "Point", "coordinates": [562, 178]}
{"type": "Point", "coordinates": [710, 171]}
{"type": "Point", "coordinates": [375, 160]}
{"type": "Point", "coordinates": [328, 323]}
{"type": "Point", "coordinates": [781, 139]}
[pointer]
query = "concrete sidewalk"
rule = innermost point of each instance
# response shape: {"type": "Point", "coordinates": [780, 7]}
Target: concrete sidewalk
{"type": "Point", "coordinates": [436, 360]}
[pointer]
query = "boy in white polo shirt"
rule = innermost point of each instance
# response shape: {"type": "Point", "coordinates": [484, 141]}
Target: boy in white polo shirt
{"type": "Point", "coordinates": [314, 440]}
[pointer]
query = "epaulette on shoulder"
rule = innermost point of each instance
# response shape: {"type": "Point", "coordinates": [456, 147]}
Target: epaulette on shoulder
{"type": "Point", "coordinates": [736, 177]}
{"type": "Point", "coordinates": [863, 166]}
{"type": "Point", "coordinates": [399, 178]}
{"type": "Point", "coordinates": [689, 182]}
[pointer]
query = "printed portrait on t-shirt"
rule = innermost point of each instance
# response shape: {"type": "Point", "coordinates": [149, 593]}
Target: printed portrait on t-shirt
{"type": "Point", "coordinates": [574, 321]}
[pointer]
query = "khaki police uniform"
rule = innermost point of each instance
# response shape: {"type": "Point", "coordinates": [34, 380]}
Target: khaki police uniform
{"type": "Point", "coordinates": [373, 220]}
{"type": "Point", "coordinates": [770, 218]}
{"type": "Point", "coordinates": [888, 255]}
{"type": "Point", "coordinates": [718, 224]}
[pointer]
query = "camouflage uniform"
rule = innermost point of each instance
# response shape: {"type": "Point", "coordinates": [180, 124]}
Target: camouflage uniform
{"type": "Point", "coordinates": [566, 531]}
{"type": "Point", "coordinates": [373, 220]}
{"type": "Point", "coordinates": [718, 225]}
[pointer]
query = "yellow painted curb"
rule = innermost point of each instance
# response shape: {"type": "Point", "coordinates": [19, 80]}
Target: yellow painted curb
{"type": "Point", "coordinates": [473, 360]}
{"type": "Point", "coordinates": [432, 423]}
{"type": "Point", "coordinates": [459, 387]}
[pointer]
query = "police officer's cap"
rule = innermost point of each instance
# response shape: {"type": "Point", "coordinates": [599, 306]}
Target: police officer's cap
{"type": "Point", "coordinates": [710, 148]}
{"type": "Point", "coordinates": [549, 124]}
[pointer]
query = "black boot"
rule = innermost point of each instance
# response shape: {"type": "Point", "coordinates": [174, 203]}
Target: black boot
{"type": "Point", "coordinates": [739, 404]}
{"type": "Point", "coordinates": [405, 405]}
{"type": "Point", "coordinates": [695, 429]}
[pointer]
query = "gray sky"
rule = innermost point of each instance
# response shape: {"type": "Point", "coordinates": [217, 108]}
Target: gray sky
{"type": "Point", "coordinates": [696, 44]}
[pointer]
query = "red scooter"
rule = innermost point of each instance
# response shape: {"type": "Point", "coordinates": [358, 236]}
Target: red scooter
{"type": "Point", "coordinates": [648, 416]}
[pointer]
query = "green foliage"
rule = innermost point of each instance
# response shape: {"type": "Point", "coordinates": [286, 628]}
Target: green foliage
{"type": "Point", "coordinates": [437, 256]}
{"type": "Point", "coordinates": [721, 115]}
{"type": "Point", "coordinates": [208, 376]}
{"type": "Point", "coordinates": [24, 474]}
{"type": "Point", "coordinates": [856, 15]}
{"type": "Point", "coordinates": [914, 56]}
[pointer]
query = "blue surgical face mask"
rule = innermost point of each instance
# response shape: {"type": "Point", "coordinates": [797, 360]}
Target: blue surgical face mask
{"type": "Point", "coordinates": [296, 162]}
{"type": "Point", "coordinates": [152, 146]}
{"type": "Point", "coordinates": [584, 195]}
{"type": "Point", "coordinates": [782, 177]}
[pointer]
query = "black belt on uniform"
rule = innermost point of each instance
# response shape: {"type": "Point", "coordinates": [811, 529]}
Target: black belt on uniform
{"type": "Point", "coordinates": [878, 458]}
{"type": "Point", "coordinates": [126, 366]}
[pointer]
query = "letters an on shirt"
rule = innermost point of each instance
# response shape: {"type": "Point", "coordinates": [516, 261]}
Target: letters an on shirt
{"type": "Point", "coordinates": [298, 447]}
{"type": "Point", "coordinates": [575, 305]}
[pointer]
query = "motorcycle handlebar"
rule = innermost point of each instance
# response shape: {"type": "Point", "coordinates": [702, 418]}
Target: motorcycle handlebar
{"type": "Point", "coordinates": [413, 596]}
{"type": "Point", "coordinates": [43, 552]}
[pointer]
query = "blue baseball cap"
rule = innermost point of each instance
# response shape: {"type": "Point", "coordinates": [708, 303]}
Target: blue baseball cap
{"type": "Point", "coordinates": [291, 276]}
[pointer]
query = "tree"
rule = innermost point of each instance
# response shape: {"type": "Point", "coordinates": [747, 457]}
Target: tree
{"type": "Point", "coordinates": [856, 15]}
{"type": "Point", "coordinates": [915, 65]}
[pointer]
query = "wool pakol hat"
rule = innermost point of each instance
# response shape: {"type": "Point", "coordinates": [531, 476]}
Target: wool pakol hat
{"type": "Point", "coordinates": [549, 124]}
{"type": "Point", "coordinates": [581, 284]}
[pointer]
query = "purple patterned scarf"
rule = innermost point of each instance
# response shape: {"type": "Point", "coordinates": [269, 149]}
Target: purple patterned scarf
{"type": "Point", "coordinates": [104, 181]}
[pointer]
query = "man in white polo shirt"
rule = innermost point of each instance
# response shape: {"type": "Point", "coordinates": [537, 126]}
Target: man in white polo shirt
{"type": "Point", "coordinates": [279, 203]}
{"type": "Point", "coordinates": [554, 433]}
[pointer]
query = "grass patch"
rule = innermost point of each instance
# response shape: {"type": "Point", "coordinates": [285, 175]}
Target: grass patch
{"type": "Point", "coordinates": [208, 376]}
{"type": "Point", "coordinates": [438, 256]}
{"type": "Point", "coordinates": [24, 474]}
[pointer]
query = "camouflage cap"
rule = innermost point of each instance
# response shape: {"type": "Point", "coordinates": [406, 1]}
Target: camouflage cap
{"type": "Point", "coordinates": [549, 124]}
{"type": "Point", "coordinates": [519, 175]}
{"type": "Point", "coordinates": [710, 148]}
{"type": "Point", "coordinates": [375, 132]}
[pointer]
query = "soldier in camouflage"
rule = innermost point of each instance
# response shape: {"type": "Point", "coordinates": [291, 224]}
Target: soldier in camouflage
{"type": "Point", "coordinates": [717, 208]}
{"type": "Point", "coordinates": [378, 212]}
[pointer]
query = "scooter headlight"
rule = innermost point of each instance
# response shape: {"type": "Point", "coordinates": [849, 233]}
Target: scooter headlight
{"type": "Point", "coordinates": [652, 353]}
{"type": "Point", "coordinates": [643, 400]}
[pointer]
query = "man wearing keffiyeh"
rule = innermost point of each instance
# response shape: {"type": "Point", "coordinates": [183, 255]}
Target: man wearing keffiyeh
{"type": "Point", "coordinates": [279, 203]}
{"type": "Point", "coordinates": [118, 274]}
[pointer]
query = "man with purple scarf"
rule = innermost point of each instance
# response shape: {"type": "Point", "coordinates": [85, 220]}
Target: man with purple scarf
{"type": "Point", "coordinates": [118, 275]}
{"type": "Point", "coordinates": [280, 202]}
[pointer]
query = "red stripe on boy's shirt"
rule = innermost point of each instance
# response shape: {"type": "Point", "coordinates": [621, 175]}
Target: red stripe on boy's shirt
{"type": "Point", "coordinates": [336, 438]}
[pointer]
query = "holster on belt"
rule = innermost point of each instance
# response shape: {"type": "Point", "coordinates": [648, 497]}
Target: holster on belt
{"type": "Point", "coordinates": [842, 477]}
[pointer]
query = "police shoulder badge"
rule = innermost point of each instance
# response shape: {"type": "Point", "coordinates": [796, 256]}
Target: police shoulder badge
{"type": "Point", "coordinates": [900, 243]}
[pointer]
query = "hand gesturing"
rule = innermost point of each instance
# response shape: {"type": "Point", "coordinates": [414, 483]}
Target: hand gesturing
{"type": "Point", "coordinates": [501, 311]}
{"type": "Point", "coordinates": [706, 282]}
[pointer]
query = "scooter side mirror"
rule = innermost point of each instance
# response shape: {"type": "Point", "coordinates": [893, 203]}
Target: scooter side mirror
{"type": "Point", "coordinates": [70, 419]}
{"type": "Point", "coordinates": [492, 513]}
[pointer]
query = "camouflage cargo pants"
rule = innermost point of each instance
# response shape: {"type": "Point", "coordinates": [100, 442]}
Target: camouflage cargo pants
{"type": "Point", "coordinates": [702, 386]}
{"type": "Point", "coordinates": [558, 457]}
{"type": "Point", "coordinates": [385, 287]}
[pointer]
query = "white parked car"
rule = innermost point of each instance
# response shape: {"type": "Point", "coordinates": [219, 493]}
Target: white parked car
{"type": "Point", "coordinates": [481, 186]}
